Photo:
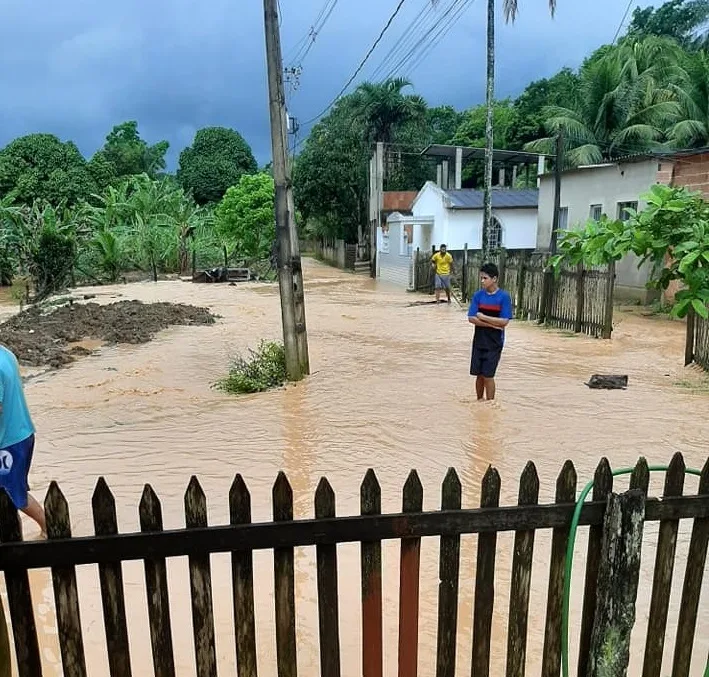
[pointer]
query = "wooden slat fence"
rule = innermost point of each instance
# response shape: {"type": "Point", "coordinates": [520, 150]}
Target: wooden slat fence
{"type": "Point", "coordinates": [153, 545]}
{"type": "Point", "coordinates": [581, 297]}
{"type": "Point", "coordinates": [701, 342]}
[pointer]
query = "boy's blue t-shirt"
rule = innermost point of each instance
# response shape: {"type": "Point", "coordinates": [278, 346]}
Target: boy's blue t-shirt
{"type": "Point", "coordinates": [15, 420]}
{"type": "Point", "coordinates": [497, 304]}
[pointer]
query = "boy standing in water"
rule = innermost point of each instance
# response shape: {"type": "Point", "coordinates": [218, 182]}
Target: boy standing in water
{"type": "Point", "coordinates": [490, 311]}
{"type": "Point", "coordinates": [16, 439]}
{"type": "Point", "coordinates": [442, 261]}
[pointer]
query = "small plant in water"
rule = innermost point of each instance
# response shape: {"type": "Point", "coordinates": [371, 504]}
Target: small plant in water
{"type": "Point", "coordinates": [263, 369]}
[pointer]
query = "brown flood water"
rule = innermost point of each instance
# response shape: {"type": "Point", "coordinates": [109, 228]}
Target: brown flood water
{"type": "Point", "coordinates": [390, 390]}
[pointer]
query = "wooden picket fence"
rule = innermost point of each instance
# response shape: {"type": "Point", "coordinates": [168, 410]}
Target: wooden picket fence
{"type": "Point", "coordinates": [109, 548]}
{"type": "Point", "coordinates": [581, 297]}
{"type": "Point", "coordinates": [699, 349]}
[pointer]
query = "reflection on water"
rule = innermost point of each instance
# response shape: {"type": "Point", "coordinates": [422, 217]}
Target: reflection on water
{"type": "Point", "coordinates": [390, 391]}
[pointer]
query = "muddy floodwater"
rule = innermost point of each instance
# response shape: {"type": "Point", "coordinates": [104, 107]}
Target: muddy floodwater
{"type": "Point", "coordinates": [390, 390]}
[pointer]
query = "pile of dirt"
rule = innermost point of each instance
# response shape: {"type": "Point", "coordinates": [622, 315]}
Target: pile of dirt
{"type": "Point", "coordinates": [39, 337]}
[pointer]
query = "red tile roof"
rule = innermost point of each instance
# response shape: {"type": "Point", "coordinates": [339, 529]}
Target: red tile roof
{"type": "Point", "coordinates": [399, 201]}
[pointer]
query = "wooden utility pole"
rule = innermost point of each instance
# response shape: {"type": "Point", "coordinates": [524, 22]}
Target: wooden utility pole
{"type": "Point", "coordinates": [548, 285]}
{"type": "Point", "coordinates": [489, 129]}
{"type": "Point", "coordinates": [295, 337]}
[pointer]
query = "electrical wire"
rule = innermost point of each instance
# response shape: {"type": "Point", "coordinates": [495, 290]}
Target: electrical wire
{"type": "Point", "coordinates": [442, 32]}
{"type": "Point", "coordinates": [622, 21]}
{"type": "Point", "coordinates": [414, 31]}
{"type": "Point", "coordinates": [362, 63]}
{"type": "Point", "coordinates": [419, 39]}
{"type": "Point", "coordinates": [570, 556]}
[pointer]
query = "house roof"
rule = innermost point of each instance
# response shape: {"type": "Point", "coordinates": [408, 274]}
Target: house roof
{"type": "Point", "coordinates": [398, 201]}
{"type": "Point", "coordinates": [501, 199]}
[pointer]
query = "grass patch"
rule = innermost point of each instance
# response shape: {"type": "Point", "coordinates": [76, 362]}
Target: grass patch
{"type": "Point", "coordinates": [263, 369]}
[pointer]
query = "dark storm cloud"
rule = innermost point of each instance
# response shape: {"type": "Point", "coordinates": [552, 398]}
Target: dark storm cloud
{"type": "Point", "coordinates": [77, 67]}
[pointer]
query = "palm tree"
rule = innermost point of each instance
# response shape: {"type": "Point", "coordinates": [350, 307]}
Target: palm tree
{"type": "Point", "coordinates": [624, 106]}
{"type": "Point", "coordinates": [692, 129]}
{"type": "Point", "coordinates": [384, 109]}
{"type": "Point", "coordinates": [510, 8]}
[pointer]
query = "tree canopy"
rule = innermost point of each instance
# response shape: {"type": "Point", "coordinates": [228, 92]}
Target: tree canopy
{"type": "Point", "coordinates": [40, 166]}
{"type": "Point", "coordinates": [245, 217]}
{"type": "Point", "coordinates": [215, 161]}
{"type": "Point", "coordinates": [126, 154]}
{"type": "Point", "coordinates": [681, 20]}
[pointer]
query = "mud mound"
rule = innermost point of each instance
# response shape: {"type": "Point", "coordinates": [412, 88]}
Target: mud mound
{"type": "Point", "coordinates": [41, 338]}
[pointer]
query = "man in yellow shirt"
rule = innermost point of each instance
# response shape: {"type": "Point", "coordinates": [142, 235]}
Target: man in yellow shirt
{"type": "Point", "coordinates": [442, 261]}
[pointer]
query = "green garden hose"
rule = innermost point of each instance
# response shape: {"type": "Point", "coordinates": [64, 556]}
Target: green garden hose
{"type": "Point", "coordinates": [570, 557]}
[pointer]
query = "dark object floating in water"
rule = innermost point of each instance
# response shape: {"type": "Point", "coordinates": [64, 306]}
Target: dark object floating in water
{"type": "Point", "coordinates": [222, 275]}
{"type": "Point", "coordinates": [613, 382]}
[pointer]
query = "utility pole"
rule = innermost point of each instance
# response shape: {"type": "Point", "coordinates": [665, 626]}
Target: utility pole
{"type": "Point", "coordinates": [489, 129]}
{"type": "Point", "coordinates": [290, 276]}
{"type": "Point", "coordinates": [548, 285]}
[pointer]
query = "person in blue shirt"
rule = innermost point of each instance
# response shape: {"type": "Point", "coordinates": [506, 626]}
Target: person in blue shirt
{"type": "Point", "coordinates": [490, 311]}
{"type": "Point", "coordinates": [16, 439]}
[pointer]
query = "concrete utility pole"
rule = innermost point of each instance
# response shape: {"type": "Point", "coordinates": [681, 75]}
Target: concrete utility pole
{"type": "Point", "coordinates": [290, 274]}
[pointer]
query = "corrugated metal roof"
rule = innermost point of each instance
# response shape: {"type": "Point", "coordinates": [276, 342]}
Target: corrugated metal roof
{"type": "Point", "coordinates": [501, 199]}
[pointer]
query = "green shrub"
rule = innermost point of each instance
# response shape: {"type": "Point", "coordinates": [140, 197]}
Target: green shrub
{"type": "Point", "coordinates": [263, 369]}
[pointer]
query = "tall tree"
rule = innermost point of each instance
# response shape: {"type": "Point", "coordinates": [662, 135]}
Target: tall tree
{"type": "Point", "coordinates": [41, 167]}
{"type": "Point", "coordinates": [626, 103]}
{"type": "Point", "coordinates": [129, 155]}
{"type": "Point", "coordinates": [692, 129]}
{"type": "Point", "coordinates": [510, 9]}
{"type": "Point", "coordinates": [383, 108]}
{"type": "Point", "coordinates": [558, 90]}
{"type": "Point", "coordinates": [330, 174]}
{"type": "Point", "coordinates": [216, 160]}
{"type": "Point", "coordinates": [682, 20]}
{"type": "Point", "coordinates": [244, 217]}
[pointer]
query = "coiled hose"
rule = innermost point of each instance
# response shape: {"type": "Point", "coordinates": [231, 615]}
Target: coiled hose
{"type": "Point", "coordinates": [570, 557]}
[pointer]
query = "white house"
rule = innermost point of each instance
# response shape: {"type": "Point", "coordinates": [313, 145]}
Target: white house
{"type": "Point", "coordinates": [454, 218]}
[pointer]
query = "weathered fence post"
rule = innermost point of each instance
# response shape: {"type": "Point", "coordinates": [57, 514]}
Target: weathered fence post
{"type": "Point", "coordinates": [464, 278]}
{"type": "Point", "coordinates": [521, 283]}
{"type": "Point", "coordinates": [608, 303]}
{"type": "Point", "coordinates": [502, 266]}
{"type": "Point", "coordinates": [580, 273]}
{"type": "Point", "coordinates": [689, 341]}
{"type": "Point", "coordinates": [617, 585]}
{"type": "Point", "coordinates": [416, 269]}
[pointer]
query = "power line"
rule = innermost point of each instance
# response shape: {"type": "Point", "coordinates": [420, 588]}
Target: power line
{"type": "Point", "coordinates": [441, 34]}
{"type": "Point", "coordinates": [427, 43]}
{"type": "Point", "coordinates": [622, 21]}
{"type": "Point", "coordinates": [408, 37]}
{"type": "Point", "coordinates": [315, 30]}
{"type": "Point", "coordinates": [363, 62]}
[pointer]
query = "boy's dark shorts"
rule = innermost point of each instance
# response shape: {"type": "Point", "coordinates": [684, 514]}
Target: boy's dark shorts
{"type": "Point", "coordinates": [483, 361]}
{"type": "Point", "coordinates": [15, 462]}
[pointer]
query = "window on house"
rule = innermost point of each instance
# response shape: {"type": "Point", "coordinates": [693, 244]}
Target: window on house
{"type": "Point", "coordinates": [564, 218]}
{"type": "Point", "coordinates": [623, 209]}
{"type": "Point", "coordinates": [495, 235]}
{"type": "Point", "coordinates": [596, 212]}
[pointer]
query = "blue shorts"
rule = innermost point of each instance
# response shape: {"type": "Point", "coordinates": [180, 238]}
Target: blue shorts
{"type": "Point", "coordinates": [15, 464]}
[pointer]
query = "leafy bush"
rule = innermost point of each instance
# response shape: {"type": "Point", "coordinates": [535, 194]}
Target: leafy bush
{"type": "Point", "coordinates": [263, 369]}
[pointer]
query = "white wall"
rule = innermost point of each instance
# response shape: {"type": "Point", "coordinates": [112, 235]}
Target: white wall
{"type": "Point", "coordinates": [393, 267]}
{"type": "Point", "coordinates": [456, 227]}
{"type": "Point", "coordinates": [605, 185]}
{"type": "Point", "coordinates": [429, 205]}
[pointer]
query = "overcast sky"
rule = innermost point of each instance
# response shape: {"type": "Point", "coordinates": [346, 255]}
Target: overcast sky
{"type": "Point", "coordinates": [77, 67]}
